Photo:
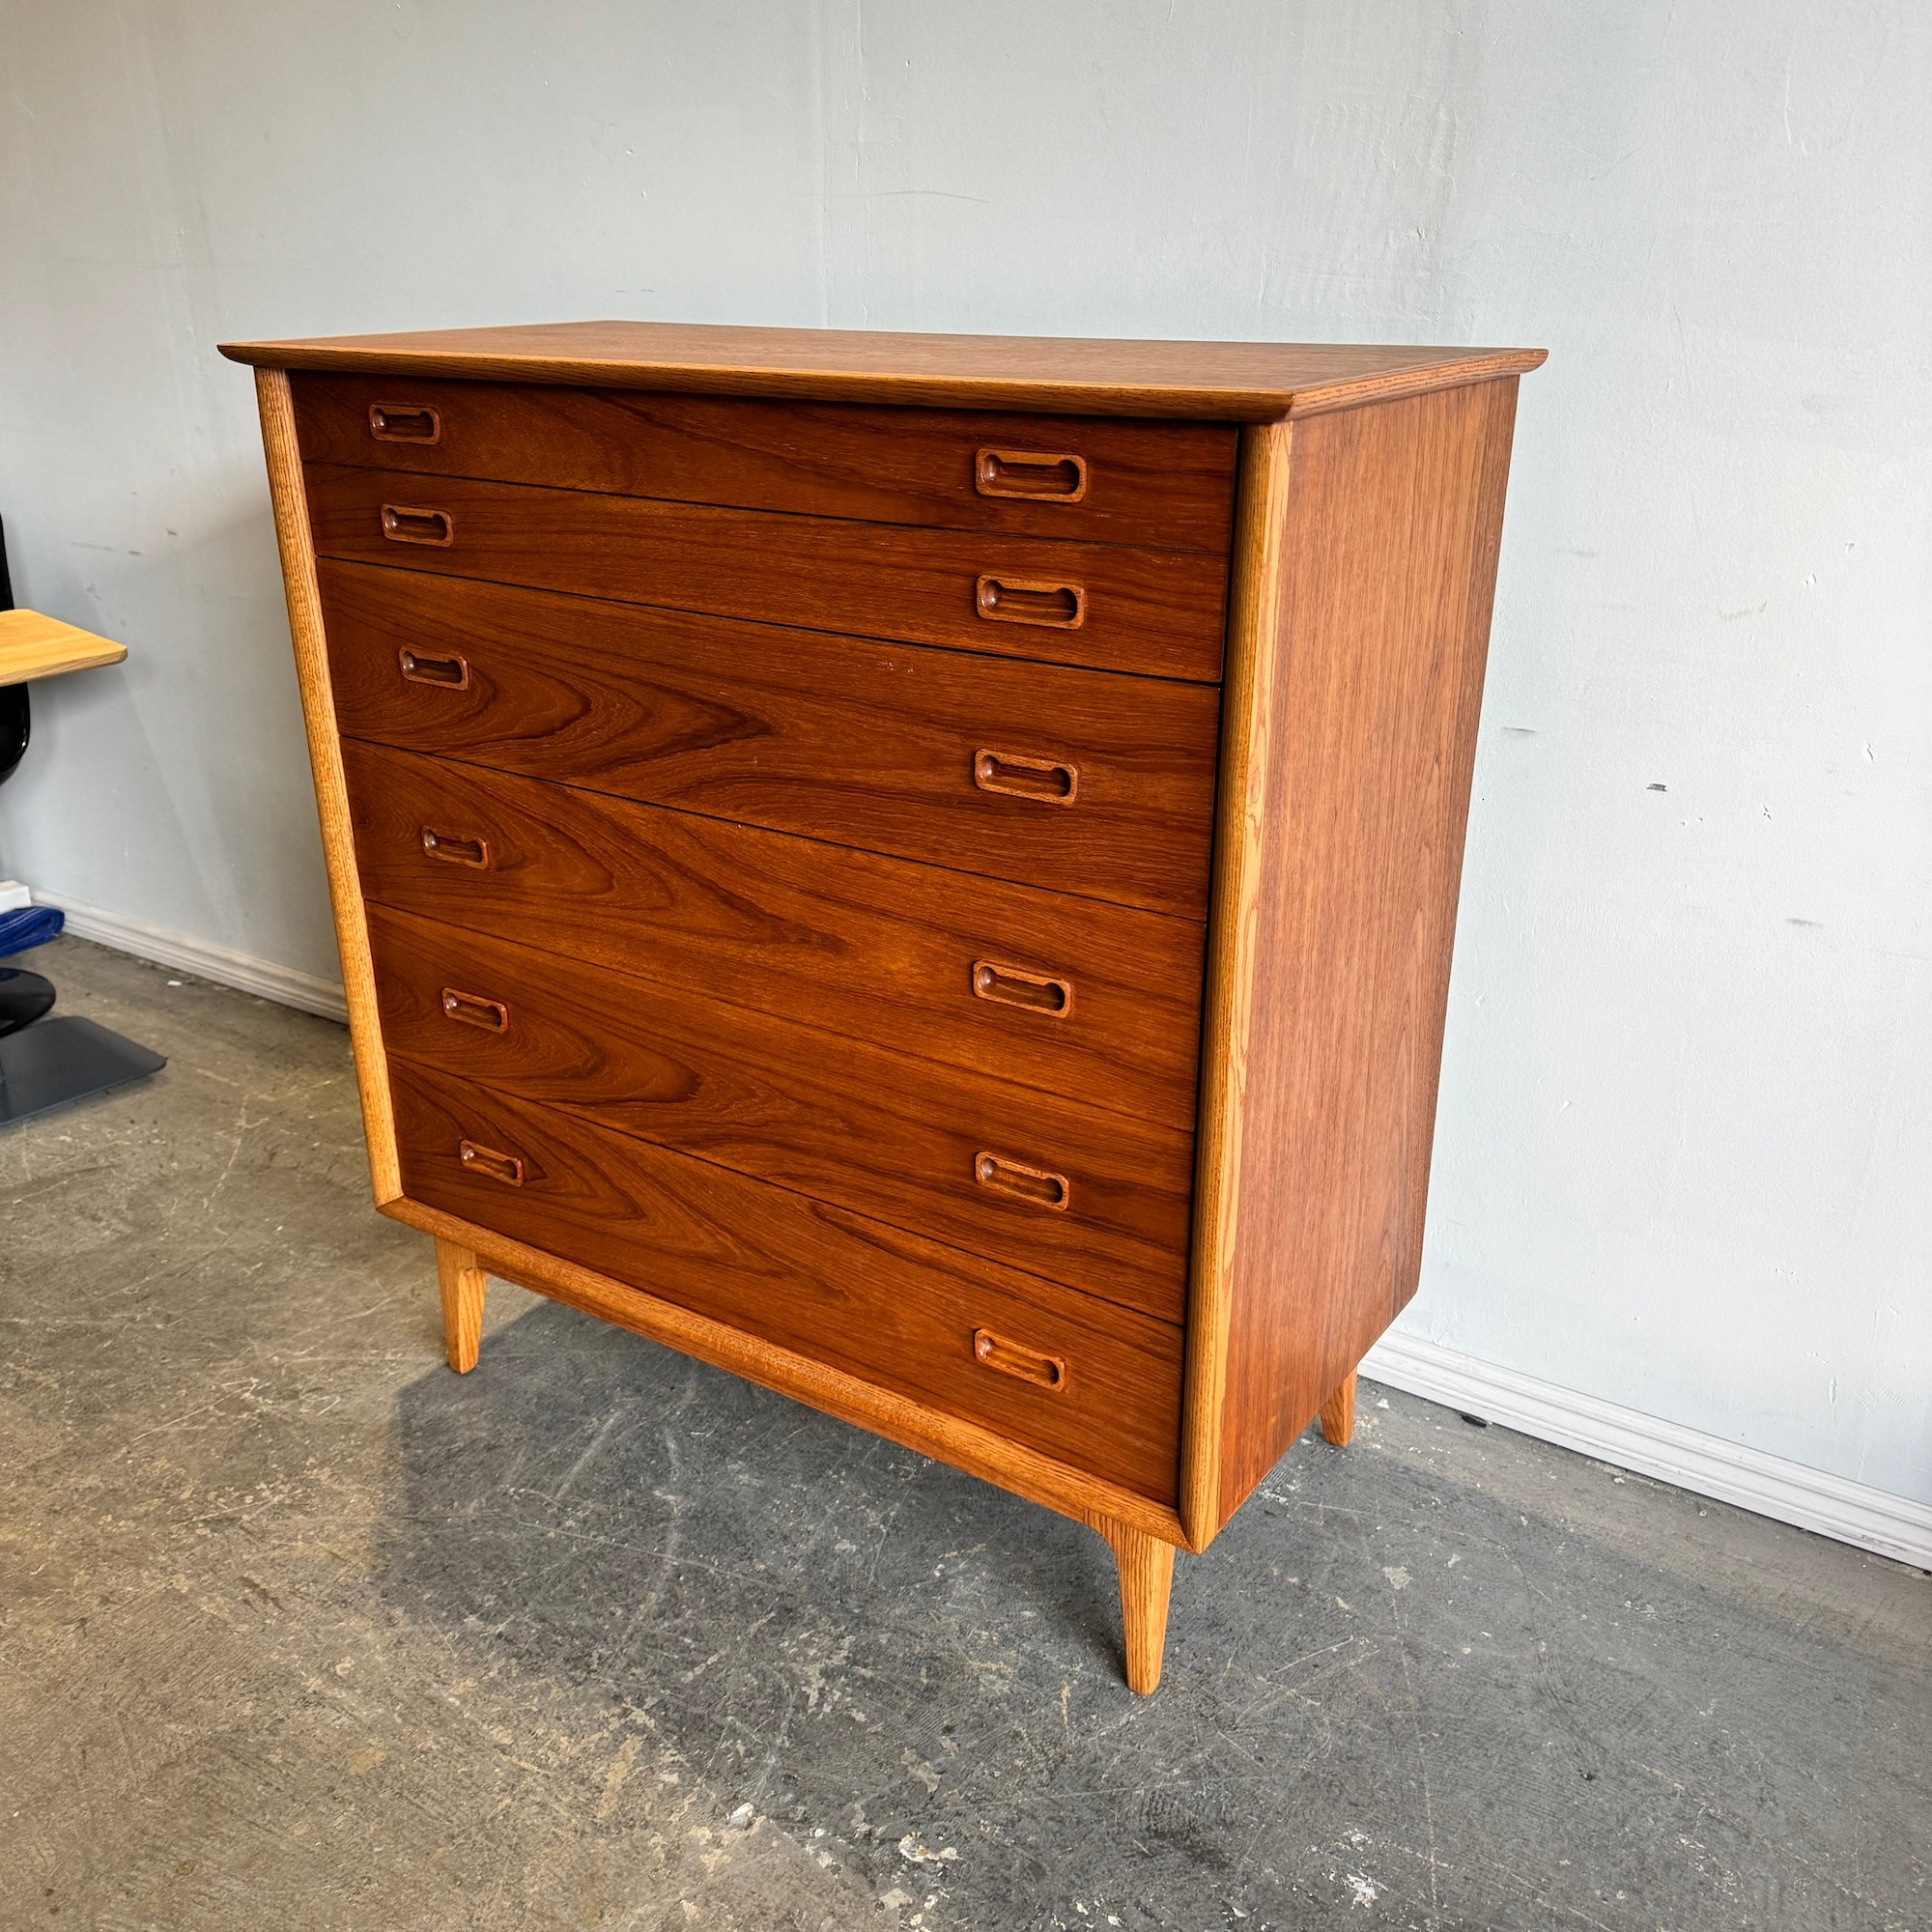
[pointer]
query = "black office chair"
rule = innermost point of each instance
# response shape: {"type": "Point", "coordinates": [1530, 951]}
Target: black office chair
{"type": "Point", "coordinates": [45, 1062]}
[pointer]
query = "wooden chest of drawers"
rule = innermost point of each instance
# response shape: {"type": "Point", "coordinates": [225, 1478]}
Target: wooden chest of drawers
{"type": "Point", "coordinates": [920, 869]}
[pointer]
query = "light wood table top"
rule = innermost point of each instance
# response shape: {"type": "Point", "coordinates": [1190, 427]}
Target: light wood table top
{"type": "Point", "coordinates": [32, 645]}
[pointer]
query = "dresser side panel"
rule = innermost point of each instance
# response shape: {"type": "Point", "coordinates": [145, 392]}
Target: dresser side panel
{"type": "Point", "coordinates": [1394, 516]}
{"type": "Point", "coordinates": [295, 541]}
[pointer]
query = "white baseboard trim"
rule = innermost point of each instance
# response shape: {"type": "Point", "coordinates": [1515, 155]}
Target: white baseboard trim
{"type": "Point", "coordinates": [283, 984]}
{"type": "Point", "coordinates": [1874, 1520]}
{"type": "Point", "coordinates": [1894, 1526]}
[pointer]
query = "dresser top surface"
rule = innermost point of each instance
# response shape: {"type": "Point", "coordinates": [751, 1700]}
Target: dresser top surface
{"type": "Point", "coordinates": [1229, 382]}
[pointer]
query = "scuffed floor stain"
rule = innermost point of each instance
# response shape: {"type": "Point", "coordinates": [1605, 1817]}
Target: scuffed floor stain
{"type": "Point", "coordinates": [294, 1626]}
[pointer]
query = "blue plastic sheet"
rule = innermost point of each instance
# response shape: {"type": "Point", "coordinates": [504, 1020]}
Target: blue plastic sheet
{"type": "Point", "coordinates": [30, 926]}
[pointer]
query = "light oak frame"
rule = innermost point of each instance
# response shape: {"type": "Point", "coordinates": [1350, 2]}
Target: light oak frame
{"type": "Point", "coordinates": [1216, 1470]}
{"type": "Point", "coordinates": [978, 1451]}
{"type": "Point", "coordinates": [1241, 824]}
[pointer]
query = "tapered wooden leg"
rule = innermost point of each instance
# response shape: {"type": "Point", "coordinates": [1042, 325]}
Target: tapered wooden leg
{"type": "Point", "coordinates": [460, 1277]}
{"type": "Point", "coordinates": [1338, 1412]}
{"type": "Point", "coordinates": [1146, 1575]}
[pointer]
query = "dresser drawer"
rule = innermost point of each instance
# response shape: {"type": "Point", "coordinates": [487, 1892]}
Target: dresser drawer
{"type": "Point", "coordinates": [1079, 780]}
{"type": "Point", "coordinates": [1155, 611]}
{"type": "Point", "coordinates": [1092, 1199]}
{"type": "Point", "coordinates": [1066, 994]}
{"type": "Point", "coordinates": [1099, 480]}
{"type": "Point", "coordinates": [1094, 1385]}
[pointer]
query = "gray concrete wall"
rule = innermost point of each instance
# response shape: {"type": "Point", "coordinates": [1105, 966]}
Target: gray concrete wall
{"type": "Point", "coordinates": [1683, 1144]}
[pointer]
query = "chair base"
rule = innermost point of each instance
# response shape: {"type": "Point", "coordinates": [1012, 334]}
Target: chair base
{"type": "Point", "coordinates": [53, 1061]}
{"type": "Point", "coordinates": [23, 998]}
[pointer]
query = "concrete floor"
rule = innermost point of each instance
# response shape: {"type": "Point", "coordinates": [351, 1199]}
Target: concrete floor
{"type": "Point", "coordinates": [298, 1630]}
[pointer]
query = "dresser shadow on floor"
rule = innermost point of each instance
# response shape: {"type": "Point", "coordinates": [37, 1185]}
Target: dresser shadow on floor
{"type": "Point", "coordinates": [606, 1511]}
{"type": "Point", "coordinates": [1389, 1672]}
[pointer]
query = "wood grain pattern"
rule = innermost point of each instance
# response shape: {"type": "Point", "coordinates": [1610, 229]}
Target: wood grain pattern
{"type": "Point", "coordinates": [1254, 631]}
{"type": "Point", "coordinates": [978, 1451]}
{"type": "Point", "coordinates": [462, 1281]}
{"type": "Point", "coordinates": [1146, 1567]}
{"type": "Point", "coordinates": [864, 744]}
{"type": "Point", "coordinates": [1224, 381]}
{"type": "Point", "coordinates": [871, 948]}
{"type": "Point", "coordinates": [756, 1062]}
{"type": "Point", "coordinates": [325, 753]}
{"type": "Point", "coordinates": [1162, 485]}
{"type": "Point", "coordinates": [33, 646]}
{"type": "Point", "coordinates": [1393, 521]}
{"type": "Point", "coordinates": [886, 1306]}
{"type": "Point", "coordinates": [843, 1120]}
{"type": "Point", "coordinates": [1156, 613]}
{"type": "Point", "coordinates": [1338, 1413]}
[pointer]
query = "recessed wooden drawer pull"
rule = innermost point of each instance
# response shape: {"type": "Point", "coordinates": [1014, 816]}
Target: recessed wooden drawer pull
{"type": "Point", "coordinates": [1038, 475]}
{"type": "Point", "coordinates": [403, 525]}
{"type": "Point", "coordinates": [452, 674]}
{"type": "Point", "coordinates": [455, 851]}
{"type": "Point", "coordinates": [1015, 986]}
{"type": "Point", "coordinates": [503, 1167]}
{"type": "Point", "coordinates": [1025, 600]}
{"type": "Point", "coordinates": [1020, 777]}
{"type": "Point", "coordinates": [404, 423]}
{"type": "Point", "coordinates": [1037, 1186]}
{"type": "Point", "coordinates": [473, 1009]}
{"type": "Point", "coordinates": [1011, 1358]}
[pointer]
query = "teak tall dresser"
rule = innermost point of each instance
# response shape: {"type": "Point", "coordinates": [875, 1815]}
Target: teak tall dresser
{"type": "Point", "coordinates": [920, 869]}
